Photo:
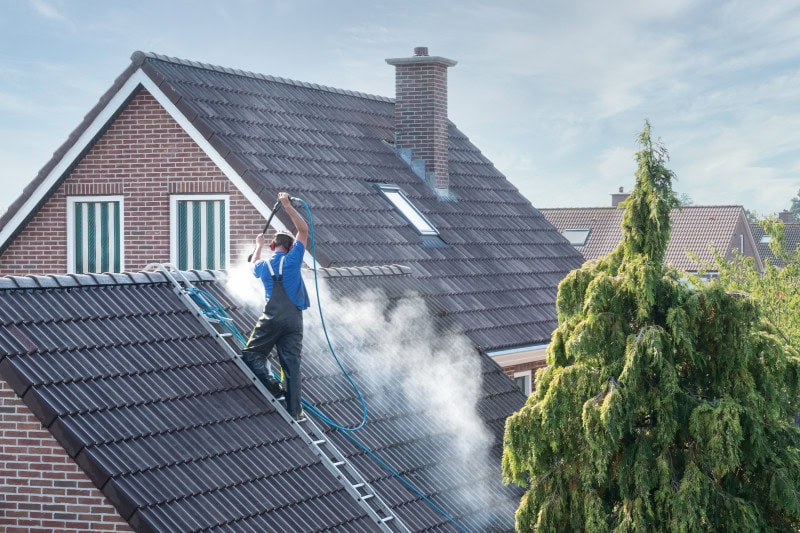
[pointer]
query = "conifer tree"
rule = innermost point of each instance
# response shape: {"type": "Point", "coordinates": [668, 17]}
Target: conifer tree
{"type": "Point", "coordinates": [664, 406]}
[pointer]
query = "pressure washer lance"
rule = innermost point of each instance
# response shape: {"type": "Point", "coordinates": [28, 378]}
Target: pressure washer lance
{"type": "Point", "coordinates": [275, 209]}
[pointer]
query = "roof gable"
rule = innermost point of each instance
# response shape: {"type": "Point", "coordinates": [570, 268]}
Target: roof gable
{"type": "Point", "coordinates": [175, 435]}
{"type": "Point", "coordinates": [498, 262]}
{"type": "Point", "coordinates": [694, 230]}
{"type": "Point", "coordinates": [791, 235]}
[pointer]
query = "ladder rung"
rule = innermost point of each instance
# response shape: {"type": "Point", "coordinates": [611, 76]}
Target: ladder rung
{"type": "Point", "coordinates": [339, 463]}
{"type": "Point", "coordinates": [320, 441]}
{"type": "Point", "coordinates": [367, 496]}
{"type": "Point", "coordinates": [226, 334]}
{"type": "Point", "coordinates": [358, 486]}
{"type": "Point", "coordinates": [387, 518]}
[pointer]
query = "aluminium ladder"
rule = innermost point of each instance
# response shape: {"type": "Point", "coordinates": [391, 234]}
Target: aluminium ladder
{"type": "Point", "coordinates": [311, 433]}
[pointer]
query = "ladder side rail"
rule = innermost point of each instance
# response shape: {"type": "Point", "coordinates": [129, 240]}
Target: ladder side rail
{"type": "Point", "coordinates": [330, 456]}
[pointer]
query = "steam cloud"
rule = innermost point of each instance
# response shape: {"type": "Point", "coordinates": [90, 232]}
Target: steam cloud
{"type": "Point", "coordinates": [395, 344]}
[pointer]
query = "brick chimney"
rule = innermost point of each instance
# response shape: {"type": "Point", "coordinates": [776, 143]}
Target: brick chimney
{"type": "Point", "coordinates": [785, 216]}
{"type": "Point", "coordinates": [618, 197]}
{"type": "Point", "coordinates": [420, 111]}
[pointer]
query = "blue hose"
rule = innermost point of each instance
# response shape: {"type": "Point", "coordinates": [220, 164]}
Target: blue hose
{"type": "Point", "coordinates": [212, 309]}
{"type": "Point", "coordinates": [307, 405]}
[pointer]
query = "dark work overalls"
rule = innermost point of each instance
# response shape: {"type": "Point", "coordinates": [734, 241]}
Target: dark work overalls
{"type": "Point", "coordinates": [281, 326]}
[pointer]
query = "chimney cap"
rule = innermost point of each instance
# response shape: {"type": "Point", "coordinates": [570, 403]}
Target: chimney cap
{"type": "Point", "coordinates": [421, 56]}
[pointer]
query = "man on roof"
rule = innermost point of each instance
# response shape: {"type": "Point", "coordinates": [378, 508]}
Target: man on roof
{"type": "Point", "coordinates": [281, 324]}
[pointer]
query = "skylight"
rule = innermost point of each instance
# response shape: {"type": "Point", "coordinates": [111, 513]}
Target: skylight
{"type": "Point", "coordinates": [576, 237]}
{"type": "Point", "coordinates": [408, 210]}
{"type": "Point", "coordinates": [766, 239]}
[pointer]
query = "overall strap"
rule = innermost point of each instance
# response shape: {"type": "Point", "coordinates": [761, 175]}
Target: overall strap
{"type": "Point", "coordinates": [279, 277]}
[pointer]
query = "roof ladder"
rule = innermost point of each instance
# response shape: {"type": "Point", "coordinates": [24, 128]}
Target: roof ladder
{"type": "Point", "coordinates": [309, 431]}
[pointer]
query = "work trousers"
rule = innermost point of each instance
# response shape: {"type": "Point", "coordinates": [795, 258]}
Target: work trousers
{"type": "Point", "coordinates": [281, 327]}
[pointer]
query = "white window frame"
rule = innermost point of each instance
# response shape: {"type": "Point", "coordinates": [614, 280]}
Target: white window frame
{"type": "Point", "coordinates": [71, 201]}
{"type": "Point", "coordinates": [173, 222]}
{"type": "Point", "coordinates": [766, 238]}
{"type": "Point", "coordinates": [527, 375]}
{"type": "Point", "coordinates": [408, 210]}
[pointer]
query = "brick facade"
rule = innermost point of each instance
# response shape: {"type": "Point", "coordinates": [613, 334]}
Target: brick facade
{"type": "Point", "coordinates": [42, 490]}
{"type": "Point", "coordinates": [144, 156]}
{"type": "Point", "coordinates": [533, 366]}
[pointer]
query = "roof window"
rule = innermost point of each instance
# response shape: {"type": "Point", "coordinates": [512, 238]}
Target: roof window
{"type": "Point", "coordinates": [408, 210]}
{"type": "Point", "coordinates": [766, 239]}
{"type": "Point", "coordinates": [576, 237]}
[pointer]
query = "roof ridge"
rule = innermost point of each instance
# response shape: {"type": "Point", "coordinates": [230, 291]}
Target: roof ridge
{"type": "Point", "coordinates": [62, 281]}
{"type": "Point", "coordinates": [139, 57]}
{"type": "Point", "coordinates": [361, 271]}
{"type": "Point", "coordinates": [610, 208]}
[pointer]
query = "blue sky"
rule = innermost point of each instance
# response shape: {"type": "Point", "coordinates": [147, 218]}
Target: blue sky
{"type": "Point", "coordinates": [553, 92]}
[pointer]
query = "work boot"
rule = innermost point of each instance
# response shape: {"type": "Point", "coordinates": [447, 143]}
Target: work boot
{"type": "Point", "coordinates": [275, 387]}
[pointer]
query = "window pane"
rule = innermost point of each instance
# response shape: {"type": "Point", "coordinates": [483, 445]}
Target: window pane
{"type": "Point", "coordinates": [576, 237]}
{"type": "Point", "coordinates": [408, 210]}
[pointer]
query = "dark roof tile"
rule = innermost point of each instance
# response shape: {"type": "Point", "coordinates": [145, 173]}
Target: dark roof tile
{"type": "Point", "coordinates": [331, 146]}
{"type": "Point", "coordinates": [177, 437]}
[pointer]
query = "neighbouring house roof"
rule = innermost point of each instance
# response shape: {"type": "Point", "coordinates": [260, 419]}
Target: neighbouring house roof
{"type": "Point", "coordinates": [496, 262]}
{"type": "Point", "coordinates": [695, 229]}
{"type": "Point", "coordinates": [178, 439]}
{"type": "Point", "coordinates": [791, 235]}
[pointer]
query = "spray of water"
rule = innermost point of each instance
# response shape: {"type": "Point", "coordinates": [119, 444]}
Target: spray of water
{"type": "Point", "coordinates": [244, 287]}
{"type": "Point", "coordinates": [396, 344]}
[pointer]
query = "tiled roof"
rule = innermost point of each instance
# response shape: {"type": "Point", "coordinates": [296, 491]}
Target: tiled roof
{"type": "Point", "coordinates": [499, 270]}
{"type": "Point", "coordinates": [694, 228]}
{"type": "Point", "coordinates": [791, 235]}
{"type": "Point", "coordinates": [178, 439]}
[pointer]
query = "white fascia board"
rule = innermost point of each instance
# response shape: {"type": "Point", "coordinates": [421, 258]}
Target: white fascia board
{"type": "Point", "coordinates": [520, 355]}
{"type": "Point", "coordinates": [112, 107]}
{"type": "Point", "coordinates": [70, 156]}
{"type": "Point", "coordinates": [518, 349]}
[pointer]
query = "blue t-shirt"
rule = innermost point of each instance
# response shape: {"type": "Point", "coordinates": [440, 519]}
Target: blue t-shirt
{"type": "Point", "coordinates": [292, 277]}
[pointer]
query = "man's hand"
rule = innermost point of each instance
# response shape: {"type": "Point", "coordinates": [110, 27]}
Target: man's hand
{"type": "Point", "coordinates": [256, 255]}
{"type": "Point", "coordinates": [284, 199]}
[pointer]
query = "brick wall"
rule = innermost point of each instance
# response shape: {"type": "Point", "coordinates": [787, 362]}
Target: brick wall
{"type": "Point", "coordinates": [41, 487]}
{"type": "Point", "coordinates": [421, 112]}
{"type": "Point", "coordinates": [144, 156]}
{"type": "Point", "coordinates": [533, 366]}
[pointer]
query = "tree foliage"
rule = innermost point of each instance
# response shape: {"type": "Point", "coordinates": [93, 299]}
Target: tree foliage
{"type": "Point", "coordinates": [777, 289]}
{"type": "Point", "coordinates": [795, 207]}
{"type": "Point", "coordinates": [664, 407]}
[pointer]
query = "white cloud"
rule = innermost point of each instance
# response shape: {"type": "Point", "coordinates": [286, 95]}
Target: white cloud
{"type": "Point", "coordinates": [547, 90]}
{"type": "Point", "coordinates": [47, 10]}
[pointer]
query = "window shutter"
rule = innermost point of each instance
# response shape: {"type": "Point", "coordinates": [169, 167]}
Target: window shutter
{"type": "Point", "coordinates": [98, 237]}
{"type": "Point", "coordinates": [201, 234]}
